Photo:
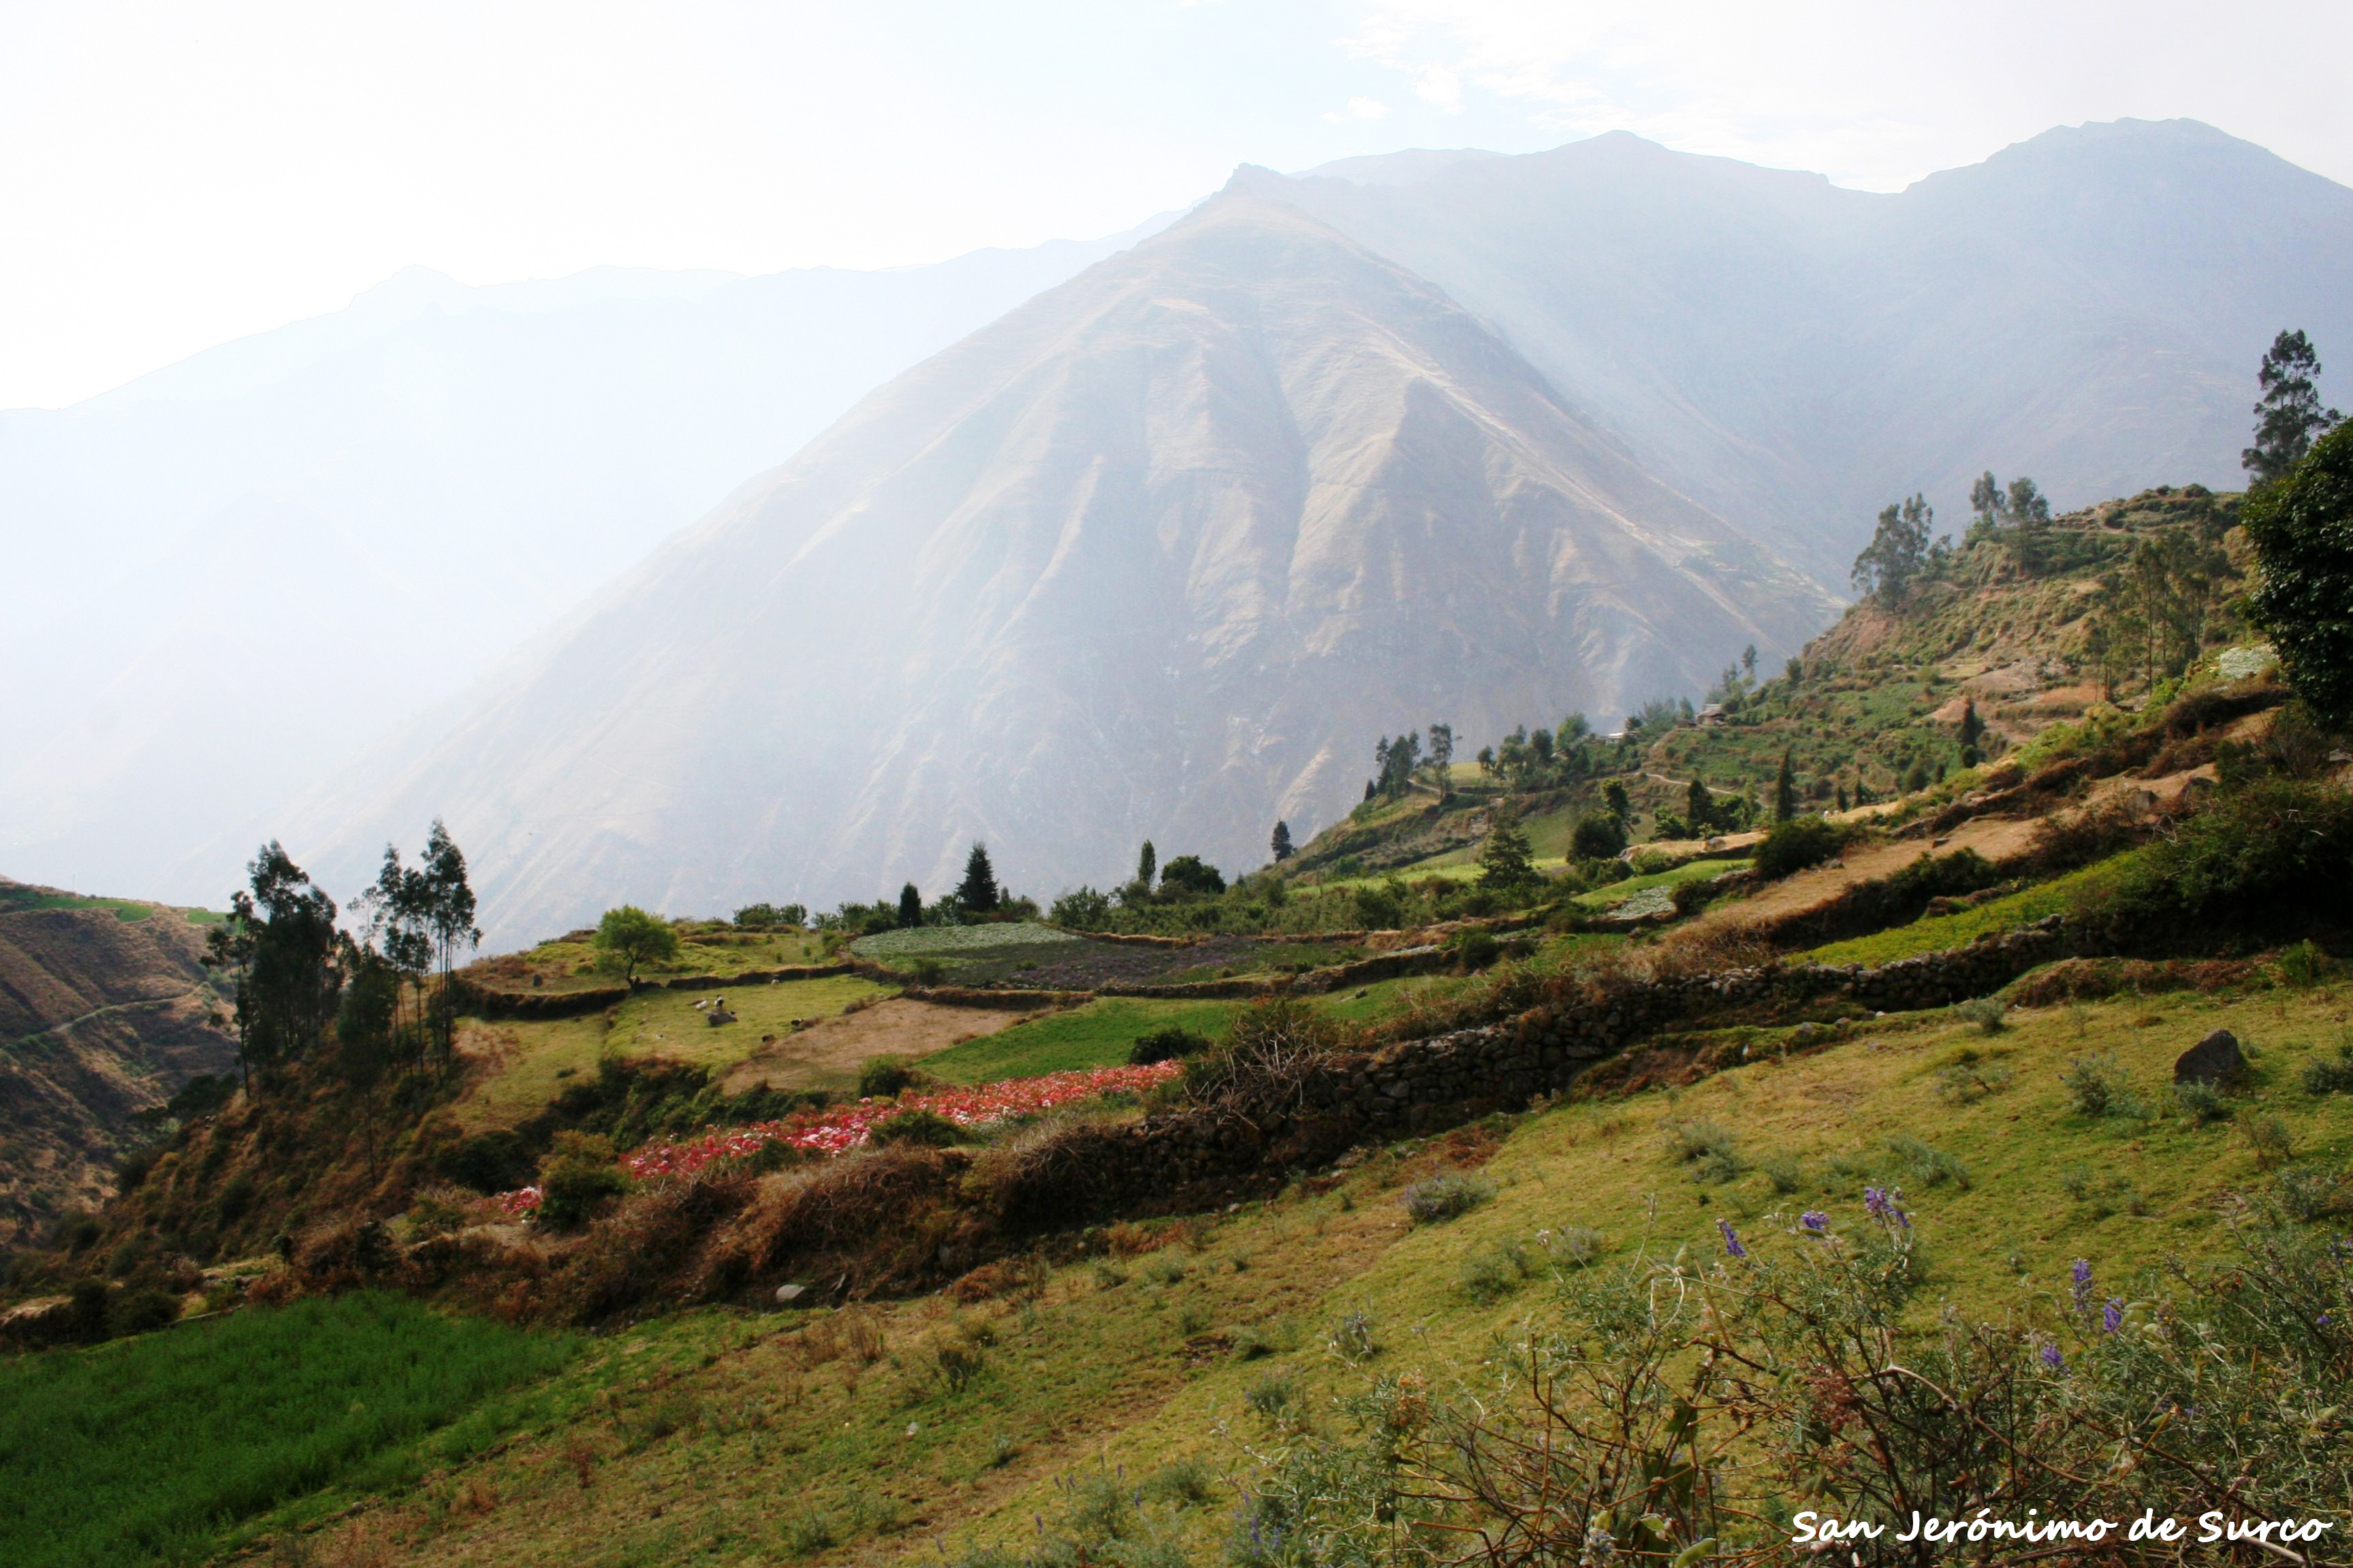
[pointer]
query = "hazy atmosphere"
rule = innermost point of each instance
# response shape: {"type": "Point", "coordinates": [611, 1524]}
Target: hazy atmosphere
{"type": "Point", "coordinates": [1174, 783]}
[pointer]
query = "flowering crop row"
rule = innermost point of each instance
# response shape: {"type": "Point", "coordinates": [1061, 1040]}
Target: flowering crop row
{"type": "Point", "coordinates": [837, 1128]}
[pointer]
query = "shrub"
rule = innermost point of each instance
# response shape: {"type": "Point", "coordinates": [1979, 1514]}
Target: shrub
{"type": "Point", "coordinates": [1166, 1046]}
{"type": "Point", "coordinates": [2202, 1102]}
{"type": "Point", "coordinates": [578, 1177]}
{"type": "Point", "coordinates": [884, 1078]}
{"type": "Point", "coordinates": [1930, 1167]}
{"type": "Point", "coordinates": [2312, 1192]}
{"type": "Point", "coordinates": [2271, 853]}
{"type": "Point", "coordinates": [1185, 1482]}
{"type": "Point", "coordinates": [493, 1162]}
{"type": "Point", "coordinates": [1271, 1395]}
{"type": "Point", "coordinates": [1475, 949]}
{"type": "Point", "coordinates": [137, 1311]}
{"type": "Point", "coordinates": [2267, 1137]}
{"type": "Point", "coordinates": [1795, 845]}
{"type": "Point", "coordinates": [1492, 1272]}
{"type": "Point", "coordinates": [2305, 965]}
{"type": "Point", "coordinates": [1707, 1149]}
{"type": "Point", "coordinates": [1987, 1013]}
{"type": "Point", "coordinates": [2096, 1086]}
{"type": "Point", "coordinates": [2323, 1076]}
{"type": "Point", "coordinates": [927, 1129]}
{"type": "Point", "coordinates": [1599, 837]}
{"type": "Point", "coordinates": [1574, 1246]}
{"type": "Point", "coordinates": [1439, 1199]}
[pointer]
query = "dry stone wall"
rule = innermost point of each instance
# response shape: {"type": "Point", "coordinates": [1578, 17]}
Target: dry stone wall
{"type": "Point", "coordinates": [1191, 1159]}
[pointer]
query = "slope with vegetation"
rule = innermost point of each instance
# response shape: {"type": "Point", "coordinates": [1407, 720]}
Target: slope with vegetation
{"type": "Point", "coordinates": [1444, 1142]}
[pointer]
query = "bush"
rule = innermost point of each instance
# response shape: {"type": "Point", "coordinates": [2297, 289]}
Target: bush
{"type": "Point", "coordinates": [1795, 845]}
{"type": "Point", "coordinates": [1442, 1198]}
{"type": "Point", "coordinates": [1490, 1271]}
{"type": "Point", "coordinates": [1191, 876]}
{"type": "Point", "coordinates": [1599, 837]}
{"type": "Point", "coordinates": [1574, 1246]}
{"type": "Point", "coordinates": [2096, 1086]}
{"type": "Point", "coordinates": [1986, 1012]}
{"type": "Point", "coordinates": [1081, 909]}
{"type": "Point", "coordinates": [2323, 1076]}
{"type": "Point", "coordinates": [884, 1078]}
{"type": "Point", "coordinates": [576, 1177]}
{"type": "Point", "coordinates": [925, 1128]}
{"type": "Point", "coordinates": [1475, 949]}
{"type": "Point", "coordinates": [2273, 853]}
{"type": "Point", "coordinates": [494, 1162]}
{"type": "Point", "coordinates": [141, 1310]}
{"type": "Point", "coordinates": [1165, 1045]}
{"type": "Point", "coordinates": [2202, 1102]}
{"type": "Point", "coordinates": [1707, 1149]}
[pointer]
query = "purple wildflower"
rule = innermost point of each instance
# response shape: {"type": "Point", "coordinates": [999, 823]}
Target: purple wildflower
{"type": "Point", "coordinates": [1816, 1222]}
{"type": "Point", "coordinates": [2052, 1358]}
{"type": "Point", "coordinates": [2083, 1273]}
{"type": "Point", "coordinates": [2112, 1316]}
{"type": "Point", "coordinates": [1879, 1204]}
{"type": "Point", "coordinates": [1731, 1239]}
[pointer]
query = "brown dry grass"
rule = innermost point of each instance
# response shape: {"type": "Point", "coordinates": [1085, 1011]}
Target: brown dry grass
{"type": "Point", "coordinates": [828, 1054]}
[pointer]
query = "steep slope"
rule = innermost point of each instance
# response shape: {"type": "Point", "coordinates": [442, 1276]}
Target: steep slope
{"type": "Point", "coordinates": [104, 1011]}
{"type": "Point", "coordinates": [2087, 307]}
{"type": "Point", "coordinates": [1162, 551]}
{"type": "Point", "coordinates": [308, 534]}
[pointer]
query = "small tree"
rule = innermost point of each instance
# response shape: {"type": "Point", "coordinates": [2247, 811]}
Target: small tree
{"type": "Point", "coordinates": [2302, 527]}
{"type": "Point", "coordinates": [1613, 795]}
{"type": "Point", "coordinates": [978, 893]}
{"type": "Point", "coordinates": [1506, 860]}
{"type": "Point", "coordinates": [629, 939]}
{"type": "Point", "coordinates": [1785, 791]}
{"type": "Point", "coordinates": [1748, 661]}
{"type": "Point", "coordinates": [1441, 750]}
{"type": "Point", "coordinates": [1699, 806]}
{"type": "Point", "coordinates": [1898, 551]}
{"type": "Point", "coordinates": [910, 907]}
{"type": "Point", "coordinates": [2288, 416]}
{"type": "Point", "coordinates": [1281, 843]}
{"type": "Point", "coordinates": [1192, 875]}
{"type": "Point", "coordinates": [1972, 730]}
{"type": "Point", "coordinates": [1599, 837]}
{"type": "Point", "coordinates": [291, 984]}
{"type": "Point", "coordinates": [1147, 860]}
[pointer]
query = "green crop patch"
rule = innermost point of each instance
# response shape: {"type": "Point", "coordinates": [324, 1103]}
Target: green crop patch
{"type": "Point", "coordinates": [146, 1450]}
{"type": "Point", "coordinates": [1097, 1034]}
{"type": "Point", "coordinates": [952, 941]}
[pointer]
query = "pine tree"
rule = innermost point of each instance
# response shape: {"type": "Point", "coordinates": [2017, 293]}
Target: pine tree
{"type": "Point", "coordinates": [910, 907]}
{"type": "Point", "coordinates": [2288, 417]}
{"type": "Point", "coordinates": [1147, 862]}
{"type": "Point", "coordinates": [977, 894]}
{"type": "Point", "coordinates": [1972, 728]}
{"type": "Point", "coordinates": [1506, 860]}
{"type": "Point", "coordinates": [1281, 844]}
{"type": "Point", "coordinates": [1785, 791]}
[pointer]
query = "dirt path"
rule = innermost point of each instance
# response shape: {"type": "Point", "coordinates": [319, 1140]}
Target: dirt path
{"type": "Point", "coordinates": [826, 1054]}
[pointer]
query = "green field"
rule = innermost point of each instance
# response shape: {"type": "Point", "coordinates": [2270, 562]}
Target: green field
{"type": "Point", "coordinates": [942, 942]}
{"type": "Point", "coordinates": [14, 901]}
{"type": "Point", "coordinates": [1932, 933]}
{"type": "Point", "coordinates": [146, 1450]}
{"type": "Point", "coordinates": [1097, 1034]}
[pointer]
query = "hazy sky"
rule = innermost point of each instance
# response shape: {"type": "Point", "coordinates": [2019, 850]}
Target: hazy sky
{"type": "Point", "coordinates": [175, 174]}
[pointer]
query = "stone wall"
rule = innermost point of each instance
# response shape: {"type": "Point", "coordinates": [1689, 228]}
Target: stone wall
{"type": "Point", "coordinates": [1282, 1122]}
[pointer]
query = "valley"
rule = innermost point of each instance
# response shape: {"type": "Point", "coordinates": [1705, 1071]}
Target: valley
{"type": "Point", "coordinates": [1117, 1231]}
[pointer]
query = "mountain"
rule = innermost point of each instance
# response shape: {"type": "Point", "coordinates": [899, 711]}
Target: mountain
{"type": "Point", "coordinates": [105, 1010]}
{"type": "Point", "coordinates": [229, 576]}
{"type": "Point", "coordinates": [1161, 553]}
{"type": "Point", "coordinates": [2087, 307]}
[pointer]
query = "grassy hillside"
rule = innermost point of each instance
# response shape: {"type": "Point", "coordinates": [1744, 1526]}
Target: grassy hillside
{"type": "Point", "coordinates": [1168, 1361]}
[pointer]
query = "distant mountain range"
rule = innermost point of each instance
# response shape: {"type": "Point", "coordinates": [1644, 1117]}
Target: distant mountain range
{"type": "Point", "coordinates": [1443, 437]}
{"type": "Point", "coordinates": [228, 577]}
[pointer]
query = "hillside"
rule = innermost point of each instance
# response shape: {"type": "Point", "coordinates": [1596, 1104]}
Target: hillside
{"type": "Point", "coordinates": [2084, 306]}
{"type": "Point", "coordinates": [485, 457]}
{"type": "Point", "coordinates": [1150, 555]}
{"type": "Point", "coordinates": [105, 1012]}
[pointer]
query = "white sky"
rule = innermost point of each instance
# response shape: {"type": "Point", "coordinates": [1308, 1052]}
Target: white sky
{"type": "Point", "coordinates": [173, 174]}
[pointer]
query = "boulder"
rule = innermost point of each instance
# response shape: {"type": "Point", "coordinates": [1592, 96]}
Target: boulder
{"type": "Point", "coordinates": [2214, 1061]}
{"type": "Point", "coordinates": [788, 1294]}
